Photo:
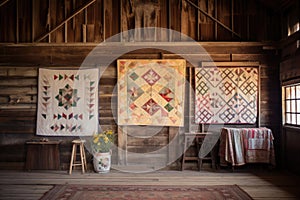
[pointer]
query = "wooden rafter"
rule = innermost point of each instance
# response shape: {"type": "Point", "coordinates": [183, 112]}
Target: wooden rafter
{"type": "Point", "coordinates": [66, 20]}
{"type": "Point", "coordinates": [4, 2]}
{"type": "Point", "coordinates": [212, 18]}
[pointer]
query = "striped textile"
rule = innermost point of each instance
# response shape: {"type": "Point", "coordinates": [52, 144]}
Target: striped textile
{"type": "Point", "coordinates": [239, 146]}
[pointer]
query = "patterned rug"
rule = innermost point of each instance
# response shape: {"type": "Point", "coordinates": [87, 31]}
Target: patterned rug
{"type": "Point", "coordinates": [145, 192]}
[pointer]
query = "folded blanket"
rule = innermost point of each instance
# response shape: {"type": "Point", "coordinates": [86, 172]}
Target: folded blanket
{"type": "Point", "coordinates": [239, 146]}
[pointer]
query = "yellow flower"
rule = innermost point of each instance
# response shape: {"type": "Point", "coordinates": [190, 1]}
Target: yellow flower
{"type": "Point", "coordinates": [106, 139]}
{"type": "Point", "coordinates": [103, 141]}
{"type": "Point", "coordinates": [96, 139]}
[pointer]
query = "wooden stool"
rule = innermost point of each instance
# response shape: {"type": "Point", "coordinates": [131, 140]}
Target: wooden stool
{"type": "Point", "coordinates": [196, 138]}
{"type": "Point", "coordinates": [74, 162]}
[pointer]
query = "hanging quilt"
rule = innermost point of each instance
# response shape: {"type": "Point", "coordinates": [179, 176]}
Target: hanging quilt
{"type": "Point", "coordinates": [67, 102]}
{"type": "Point", "coordinates": [226, 94]}
{"type": "Point", "coordinates": [151, 92]}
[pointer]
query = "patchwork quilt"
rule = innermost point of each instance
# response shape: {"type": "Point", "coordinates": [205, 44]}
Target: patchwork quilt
{"type": "Point", "coordinates": [226, 94]}
{"type": "Point", "coordinates": [67, 102]}
{"type": "Point", "coordinates": [151, 92]}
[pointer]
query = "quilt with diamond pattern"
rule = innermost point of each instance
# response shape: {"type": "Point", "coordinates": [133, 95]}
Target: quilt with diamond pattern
{"type": "Point", "coordinates": [67, 102]}
{"type": "Point", "coordinates": [151, 92]}
{"type": "Point", "coordinates": [226, 94]}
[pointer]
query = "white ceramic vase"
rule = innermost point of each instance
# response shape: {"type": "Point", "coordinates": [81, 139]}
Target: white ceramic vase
{"type": "Point", "coordinates": [102, 162]}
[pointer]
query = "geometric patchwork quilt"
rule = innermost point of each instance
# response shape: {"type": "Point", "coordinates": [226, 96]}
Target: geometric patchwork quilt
{"type": "Point", "coordinates": [151, 92]}
{"type": "Point", "coordinates": [67, 102]}
{"type": "Point", "coordinates": [226, 95]}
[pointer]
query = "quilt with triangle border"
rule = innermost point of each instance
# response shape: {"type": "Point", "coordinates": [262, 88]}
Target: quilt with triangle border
{"type": "Point", "coordinates": [226, 95]}
{"type": "Point", "coordinates": [151, 92]}
{"type": "Point", "coordinates": [67, 102]}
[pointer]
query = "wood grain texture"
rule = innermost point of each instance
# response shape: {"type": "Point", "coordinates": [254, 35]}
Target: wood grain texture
{"type": "Point", "coordinates": [289, 74]}
{"type": "Point", "coordinates": [252, 20]}
{"type": "Point", "coordinates": [42, 155]}
{"type": "Point", "coordinates": [260, 185]}
{"type": "Point", "coordinates": [19, 73]}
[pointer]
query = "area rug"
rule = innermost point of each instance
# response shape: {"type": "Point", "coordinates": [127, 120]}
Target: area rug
{"type": "Point", "coordinates": [145, 192]}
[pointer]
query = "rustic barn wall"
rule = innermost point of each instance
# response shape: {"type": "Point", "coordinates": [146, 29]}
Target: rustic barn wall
{"type": "Point", "coordinates": [69, 21]}
{"type": "Point", "coordinates": [18, 91]}
{"type": "Point", "coordinates": [289, 74]}
{"type": "Point", "coordinates": [58, 33]}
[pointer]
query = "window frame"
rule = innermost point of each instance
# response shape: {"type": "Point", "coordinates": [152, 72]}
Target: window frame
{"type": "Point", "coordinates": [291, 114]}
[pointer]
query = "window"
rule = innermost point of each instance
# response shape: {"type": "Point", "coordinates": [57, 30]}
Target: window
{"type": "Point", "coordinates": [291, 104]}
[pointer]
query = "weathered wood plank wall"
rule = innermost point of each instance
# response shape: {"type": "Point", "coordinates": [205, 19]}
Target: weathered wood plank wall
{"type": "Point", "coordinates": [290, 74]}
{"type": "Point", "coordinates": [18, 91]}
{"type": "Point", "coordinates": [27, 20]}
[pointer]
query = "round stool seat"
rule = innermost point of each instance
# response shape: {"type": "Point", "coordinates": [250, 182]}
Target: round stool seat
{"type": "Point", "coordinates": [78, 141]}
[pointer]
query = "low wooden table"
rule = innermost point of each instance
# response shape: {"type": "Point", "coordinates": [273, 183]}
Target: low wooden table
{"type": "Point", "coordinates": [43, 155]}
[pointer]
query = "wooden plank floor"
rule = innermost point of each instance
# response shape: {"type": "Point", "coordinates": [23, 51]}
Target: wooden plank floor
{"type": "Point", "coordinates": [260, 184]}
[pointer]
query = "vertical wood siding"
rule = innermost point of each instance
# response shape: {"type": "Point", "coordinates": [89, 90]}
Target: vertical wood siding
{"type": "Point", "coordinates": [27, 20]}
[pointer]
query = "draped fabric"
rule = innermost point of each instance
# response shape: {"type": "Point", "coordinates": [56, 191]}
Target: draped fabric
{"type": "Point", "coordinates": [151, 92]}
{"type": "Point", "coordinates": [246, 145]}
{"type": "Point", "coordinates": [226, 95]}
{"type": "Point", "coordinates": [67, 102]}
